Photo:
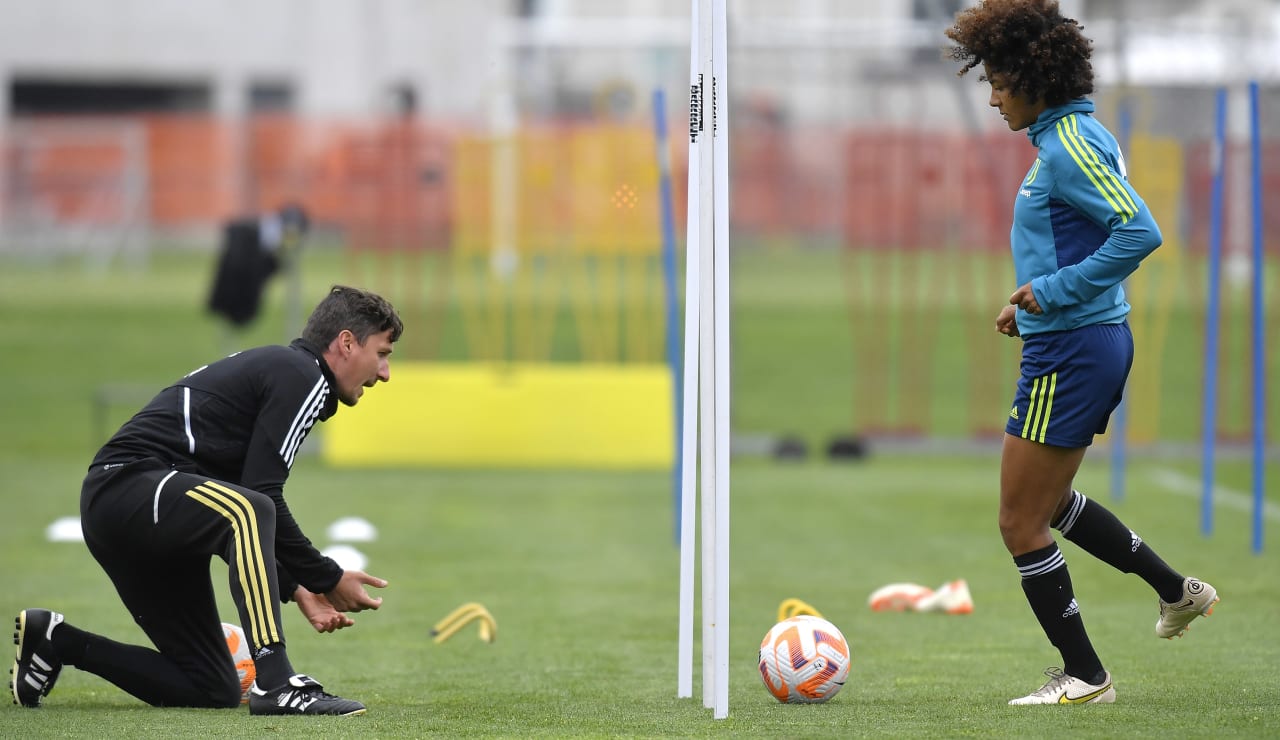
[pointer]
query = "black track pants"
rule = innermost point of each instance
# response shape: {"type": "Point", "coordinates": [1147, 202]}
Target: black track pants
{"type": "Point", "coordinates": [154, 531]}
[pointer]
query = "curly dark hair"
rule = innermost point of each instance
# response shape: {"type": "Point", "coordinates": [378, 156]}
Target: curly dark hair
{"type": "Point", "coordinates": [1043, 55]}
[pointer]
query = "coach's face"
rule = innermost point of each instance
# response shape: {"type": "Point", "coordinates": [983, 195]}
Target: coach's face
{"type": "Point", "coordinates": [358, 366]}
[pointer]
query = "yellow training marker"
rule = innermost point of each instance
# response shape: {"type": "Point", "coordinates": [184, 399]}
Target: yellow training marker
{"type": "Point", "coordinates": [795, 607]}
{"type": "Point", "coordinates": [461, 617]}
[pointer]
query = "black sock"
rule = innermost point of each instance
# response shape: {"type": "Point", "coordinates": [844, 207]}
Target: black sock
{"type": "Point", "coordinates": [1047, 585]}
{"type": "Point", "coordinates": [70, 643]}
{"type": "Point", "coordinates": [1098, 532]}
{"type": "Point", "coordinates": [271, 663]}
{"type": "Point", "coordinates": [139, 671]}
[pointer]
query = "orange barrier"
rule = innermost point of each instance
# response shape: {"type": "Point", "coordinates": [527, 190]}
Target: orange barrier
{"type": "Point", "coordinates": [921, 190]}
{"type": "Point", "coordinates": [566, 214]}
{"type": "Point", "coordinates": [401, 184]}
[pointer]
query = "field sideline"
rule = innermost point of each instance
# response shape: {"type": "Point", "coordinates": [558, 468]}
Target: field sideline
{"type": "Point", "coordinates": [580, 569]}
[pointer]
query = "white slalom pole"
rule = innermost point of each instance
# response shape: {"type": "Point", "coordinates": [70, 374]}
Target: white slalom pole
{"type": "Point", "coordinates": [707, 364]}
{"type": "Point", "coordinates": [705, 411]}
{"type": "Point", "coordinates": [721, 307]}
{"type": "Point", "coordinates": [689, 412]}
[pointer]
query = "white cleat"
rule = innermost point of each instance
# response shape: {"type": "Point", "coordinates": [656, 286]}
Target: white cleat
{"type": "Point", "coordinates": [951, 598]}
{"type": "Point", "coordinates": [1064, 689]}
{"type": "Point", "coordinates": [1197, 600]}
{"type": "Point", "coordinates": [898, 597]}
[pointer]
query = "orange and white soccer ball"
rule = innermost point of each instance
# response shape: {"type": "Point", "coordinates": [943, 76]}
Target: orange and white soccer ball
{"type": "Point", "coordinates": [804, 660]}
{"type": "Point", "coordinates": [238, 646]}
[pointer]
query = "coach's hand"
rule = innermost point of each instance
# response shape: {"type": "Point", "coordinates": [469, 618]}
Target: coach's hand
{"type": "Point", "coordinates": [319, 612]}
{"type": "Point", "coordinates": [349, 595]}
{"type": "Point", "coordinates": [1007, 321]}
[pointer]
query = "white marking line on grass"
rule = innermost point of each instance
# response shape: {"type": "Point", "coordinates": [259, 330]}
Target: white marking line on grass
{"type": "Point", "coordinates": [1185, 485]}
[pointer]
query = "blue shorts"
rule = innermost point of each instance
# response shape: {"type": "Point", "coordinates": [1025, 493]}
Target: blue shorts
{"type": "Point", "coordinates": [1071, 381]}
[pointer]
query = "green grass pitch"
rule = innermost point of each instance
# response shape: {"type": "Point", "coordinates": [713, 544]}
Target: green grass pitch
{"type": "Point", "coordinates": [580, 569]}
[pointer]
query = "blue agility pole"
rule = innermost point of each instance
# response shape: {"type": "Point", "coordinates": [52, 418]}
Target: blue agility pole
{"type": "Point", "coordinates": [1210, 420]}
{"type": "Point", "coordinates": [1120, 419]}
{"type": "Point", "coordinates": [1259, 323]}
{"type": "Point", "coordinates": [669, 283]}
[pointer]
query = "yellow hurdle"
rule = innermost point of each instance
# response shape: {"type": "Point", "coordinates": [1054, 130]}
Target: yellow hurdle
{"type": "Point", "coordinates": [461, 617]}
{"type": "Point", "coordinates": [794, 608]}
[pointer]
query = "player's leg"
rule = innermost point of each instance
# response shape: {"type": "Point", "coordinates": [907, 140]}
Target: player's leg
{"type": "Point", "coordinates": [167, 590]}
{"type": "Point", "coordinates": [1068, 387]}
{"type": "Point", "coordinates": [154, 531]}
{"type": "Point", "coordinates": [158, 560]}
{"type": "Point", "coordinates": [243, 534]}
{"type": "Point", "coordinates": [1100, 533]}
{"type": "Point", "coordinates": [46, 643]}
{"type": "Point", "coordinates": [239, 525]}
{"type": "Point", "coordinates": [1034, 479]}
{"type": "Point", "coordinates": [174, 604]}
{"type": "Point", "coordinates": [1097, 531]}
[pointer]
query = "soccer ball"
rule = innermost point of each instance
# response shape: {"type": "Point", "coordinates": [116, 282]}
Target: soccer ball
{"type": "Point", "coordinates": [804, 660]}
{"type": "Point", "coordinates": [238, 646]}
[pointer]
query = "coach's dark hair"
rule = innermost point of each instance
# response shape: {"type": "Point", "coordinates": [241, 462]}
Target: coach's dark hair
{"type": "Point", "coordinates": [361, 312]}
{"type": "Point", "coordinates": [1044, 55]}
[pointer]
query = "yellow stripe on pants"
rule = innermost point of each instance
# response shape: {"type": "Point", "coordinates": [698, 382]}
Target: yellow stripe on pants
{"type": "Point", "coordinates": [250, 566]}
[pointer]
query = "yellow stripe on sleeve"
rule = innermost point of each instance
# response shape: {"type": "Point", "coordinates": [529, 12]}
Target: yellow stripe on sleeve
{"type": "Point", "coordinates": [1116, 183]}
{"type": "Point", "coordinates": [1073, 146]}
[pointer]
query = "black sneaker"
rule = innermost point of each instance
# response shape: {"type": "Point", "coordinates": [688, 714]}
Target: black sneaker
{"type": "Point", "coordinates": [301, 695]}
{"type": "Point", "coordinates": [37, 666]}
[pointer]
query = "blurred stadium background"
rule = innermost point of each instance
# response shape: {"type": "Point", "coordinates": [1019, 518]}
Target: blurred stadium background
{"type": "Point", "coordinates": [491, 167]}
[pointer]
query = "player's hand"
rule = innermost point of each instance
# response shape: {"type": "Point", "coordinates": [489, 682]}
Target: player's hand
{"type": "Point", "coordinates": [1025, 299]}
{"type": "Point", "coordinates": [1007, 321]}
{"type": "Point", "coordinates": [319, 612]}
{"type": "Point", "coordinates": [349, 595]}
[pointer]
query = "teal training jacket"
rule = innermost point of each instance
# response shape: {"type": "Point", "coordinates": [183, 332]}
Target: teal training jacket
{"type": "Point", "coordinates": [1079, 229]}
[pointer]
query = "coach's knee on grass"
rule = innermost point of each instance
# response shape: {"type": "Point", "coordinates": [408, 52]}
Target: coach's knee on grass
{"type": "Point", "coordinates": [208, 692]}
{"type": "Point", "coordinates": [226, 696]}
{"type": "Point", "coordinates": [219, 689]}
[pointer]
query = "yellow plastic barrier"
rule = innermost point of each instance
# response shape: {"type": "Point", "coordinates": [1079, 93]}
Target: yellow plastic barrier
{"type": "Point", "coordinates": [462, 616]}
{"type": "Point", "coordinates": [512, 416]}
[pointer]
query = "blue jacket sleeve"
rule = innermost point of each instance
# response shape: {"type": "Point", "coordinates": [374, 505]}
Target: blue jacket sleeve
{"type": "Point", "coordinates": [1087, 181]}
